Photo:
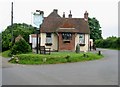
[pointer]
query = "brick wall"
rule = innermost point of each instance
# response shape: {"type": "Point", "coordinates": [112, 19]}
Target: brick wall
{"type": "Point", "coordinates": [66, 46]}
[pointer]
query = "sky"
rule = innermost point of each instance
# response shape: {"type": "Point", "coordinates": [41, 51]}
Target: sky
{"type": "Point", "coordinates": [105, 11]}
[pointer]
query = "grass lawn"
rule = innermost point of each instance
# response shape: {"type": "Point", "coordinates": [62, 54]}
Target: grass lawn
{"type": "Point", "coordinates": [55, 58]}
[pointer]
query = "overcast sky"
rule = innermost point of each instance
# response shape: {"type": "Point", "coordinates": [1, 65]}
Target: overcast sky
{"type": "Point", "coordinates": [105, 11]}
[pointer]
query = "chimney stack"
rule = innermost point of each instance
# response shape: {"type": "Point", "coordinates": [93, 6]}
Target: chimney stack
{"type": "Point", "coordinates": [63, 14]}
{"type": "Point", "coordinates": [70, 15]}
{"type": "Point", "coordinates": [86, 16]}
{"type": "Point", "coordinates": [55, 10]}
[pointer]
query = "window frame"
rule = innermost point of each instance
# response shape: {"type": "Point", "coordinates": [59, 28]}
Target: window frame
{"type": "Point", "coordinates": [66, 36]}
{"type": "Point", "coordinates": [83, 38]}
{"type": "Point", "coordinates": [48, 36]}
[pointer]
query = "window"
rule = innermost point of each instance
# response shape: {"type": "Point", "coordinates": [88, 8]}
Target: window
{"type": "Point", "coordinates": [66, 36]}
{"type": "Point", "coordinates": [48, 38]}
{"type": "Point", "coordinates": [81, 38]}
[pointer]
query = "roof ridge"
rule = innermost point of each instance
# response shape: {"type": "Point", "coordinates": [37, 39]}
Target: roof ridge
{"type": "Point", "coordinates": [53, 14]}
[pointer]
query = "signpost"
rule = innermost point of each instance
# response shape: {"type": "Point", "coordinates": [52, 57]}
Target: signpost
{"type": "Point", "coordinates": [38, 20]}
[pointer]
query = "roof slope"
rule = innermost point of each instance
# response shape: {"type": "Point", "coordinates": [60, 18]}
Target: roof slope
{"type": "Point", "coordinates": [54, 23]}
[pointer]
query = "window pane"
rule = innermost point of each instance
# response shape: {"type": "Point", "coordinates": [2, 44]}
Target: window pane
{"type": "Point", "coordinates": [81, 38]}
{"type": "Point", "coordinates": [48, 34]}
{"type": "Point", "coordinates": [48, 38]}
{"type": "Point", "coordinates": [66, 36]}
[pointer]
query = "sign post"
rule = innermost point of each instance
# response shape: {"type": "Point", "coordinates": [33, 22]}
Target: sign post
{"type": "Point", "coordinates": [38, 20]}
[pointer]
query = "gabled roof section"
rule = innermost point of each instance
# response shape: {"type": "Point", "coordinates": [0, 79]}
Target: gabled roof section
{"type": "Point", "coordinates": [54, 23]}
{"type": "Point", "coordinates": [54, 14]}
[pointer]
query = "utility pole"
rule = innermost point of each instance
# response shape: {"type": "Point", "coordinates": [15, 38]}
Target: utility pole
{"type": "Point", "coordinates": [12, 22]}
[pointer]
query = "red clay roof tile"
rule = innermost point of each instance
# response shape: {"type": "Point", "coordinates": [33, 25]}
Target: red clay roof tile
{"type": "Point", "coordinates": [54, 23]}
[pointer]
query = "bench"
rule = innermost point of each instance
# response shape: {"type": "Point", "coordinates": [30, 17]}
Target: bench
{"type": "Point", "coordinates": [44, 50]}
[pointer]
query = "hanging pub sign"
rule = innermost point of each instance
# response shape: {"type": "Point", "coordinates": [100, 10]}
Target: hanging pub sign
{"type": "Point", "coordinates": [38, 18]}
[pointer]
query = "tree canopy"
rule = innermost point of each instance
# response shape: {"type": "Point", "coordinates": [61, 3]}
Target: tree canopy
{"type": "Point", "coordinates": [110, 42]}
{"type": "Point", "coordinates": [95, 32]}
{"type": "Point", "coordinates": [18, 29]}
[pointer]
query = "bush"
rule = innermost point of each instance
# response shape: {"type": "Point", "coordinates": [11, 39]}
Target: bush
{"type": "Point", "coordinates": [20, 46]}
{"type": "Point", "coordinates": [110, 42]}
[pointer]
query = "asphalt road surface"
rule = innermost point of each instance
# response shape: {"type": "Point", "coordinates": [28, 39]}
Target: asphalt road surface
{"type": "Point", "coordinates": [97, 72]}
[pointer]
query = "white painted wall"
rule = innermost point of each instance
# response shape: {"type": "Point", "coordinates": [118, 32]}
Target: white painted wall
{"type": "Point", "coordinates": [33, 41]}
{"type": "Point", "coordinates": [43, 39]}
{"type": "Point", "coordinates": [82, 48]}
{"type": "Point", "coordinates": [91, 40]}
{"type": "Point", "coordinates": [54, 45]}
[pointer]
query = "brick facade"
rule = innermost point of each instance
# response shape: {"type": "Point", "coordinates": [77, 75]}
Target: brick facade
{"type": "Point", "coordinates": [66, 46]}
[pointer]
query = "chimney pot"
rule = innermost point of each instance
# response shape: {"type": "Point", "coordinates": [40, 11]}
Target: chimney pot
{"type": "Point", "coordinates": [55, 10]}
{"type": "Point", "coordinates": [86, 16]}
{"type": "Point", "coordinates": [70, 15]}
{"type": "Point", "coordinates": [63, 14]}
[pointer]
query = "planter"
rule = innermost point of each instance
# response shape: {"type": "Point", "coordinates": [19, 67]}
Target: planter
{"type": "Point", "coordinates": [82, 44]}
{"type": "Point", "coordinates": [48, 44]}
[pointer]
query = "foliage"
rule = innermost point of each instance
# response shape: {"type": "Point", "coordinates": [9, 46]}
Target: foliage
{"type": "Point", "coordinates": [20, 46]}
{"type": "Point", "coordinates": [18, 29]}
{"type": "Point", "coordinates": [0, 42]}
{"type": "Point", "coordinates": [55, 58]}
{"type": "Point", "coordinates": [6, 54]}
{"type": "Point", "coordinates": [110, 42]}
{"type": "Point", "coordinates": [95, 32]}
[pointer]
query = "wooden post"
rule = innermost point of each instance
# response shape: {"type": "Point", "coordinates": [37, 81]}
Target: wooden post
{"type": "Point", "coordinates": [99, 52]}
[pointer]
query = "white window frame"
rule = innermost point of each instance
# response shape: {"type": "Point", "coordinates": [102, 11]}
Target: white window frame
{"type": "Point", "coordinates": [82, 38]}
{"type": "Point", "coordinates": [49, 38]}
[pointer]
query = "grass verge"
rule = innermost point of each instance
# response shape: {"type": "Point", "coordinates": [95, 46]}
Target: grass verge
{"type": "Point", "coordinates": [55, 58]}
{"type": "Point", "coordinates": [5, 54]}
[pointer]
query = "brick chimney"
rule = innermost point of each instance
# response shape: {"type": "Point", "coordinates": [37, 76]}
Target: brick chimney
{"type": "Point", "coordinates": [70, 15]}
{"type": "Point", "coordinates": [55, 10]}
{"type": "Point", "coordinates": [86, 16]}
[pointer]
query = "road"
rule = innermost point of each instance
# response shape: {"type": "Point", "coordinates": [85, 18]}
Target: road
{"type": "Point", "coordinates": [97, 72]}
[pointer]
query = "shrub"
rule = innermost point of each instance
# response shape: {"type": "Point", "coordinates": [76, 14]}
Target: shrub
{"type": "Point", "coordinates": [20, 46]}
{"type": "Point", "coordinates": [110, 42]}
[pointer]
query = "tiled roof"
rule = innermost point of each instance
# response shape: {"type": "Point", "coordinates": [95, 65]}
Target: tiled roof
{"type": "Point", "coordinates": [54, 23]}
{"type": "Point", "coordinates": [53, 14]}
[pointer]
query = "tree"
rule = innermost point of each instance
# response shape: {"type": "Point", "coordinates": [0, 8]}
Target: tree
{"type": "Point", "coordinates": [95, 32]}
{"type": "Point", "coordinates": [20, 46]}
{"type": "Point", "coordinates": [110, 42]}
{"type": "Point", "coordinates": [18, 29]}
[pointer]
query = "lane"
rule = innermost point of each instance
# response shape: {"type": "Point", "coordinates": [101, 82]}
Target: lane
{"type": "Point", "coordinates": [98, 72]}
